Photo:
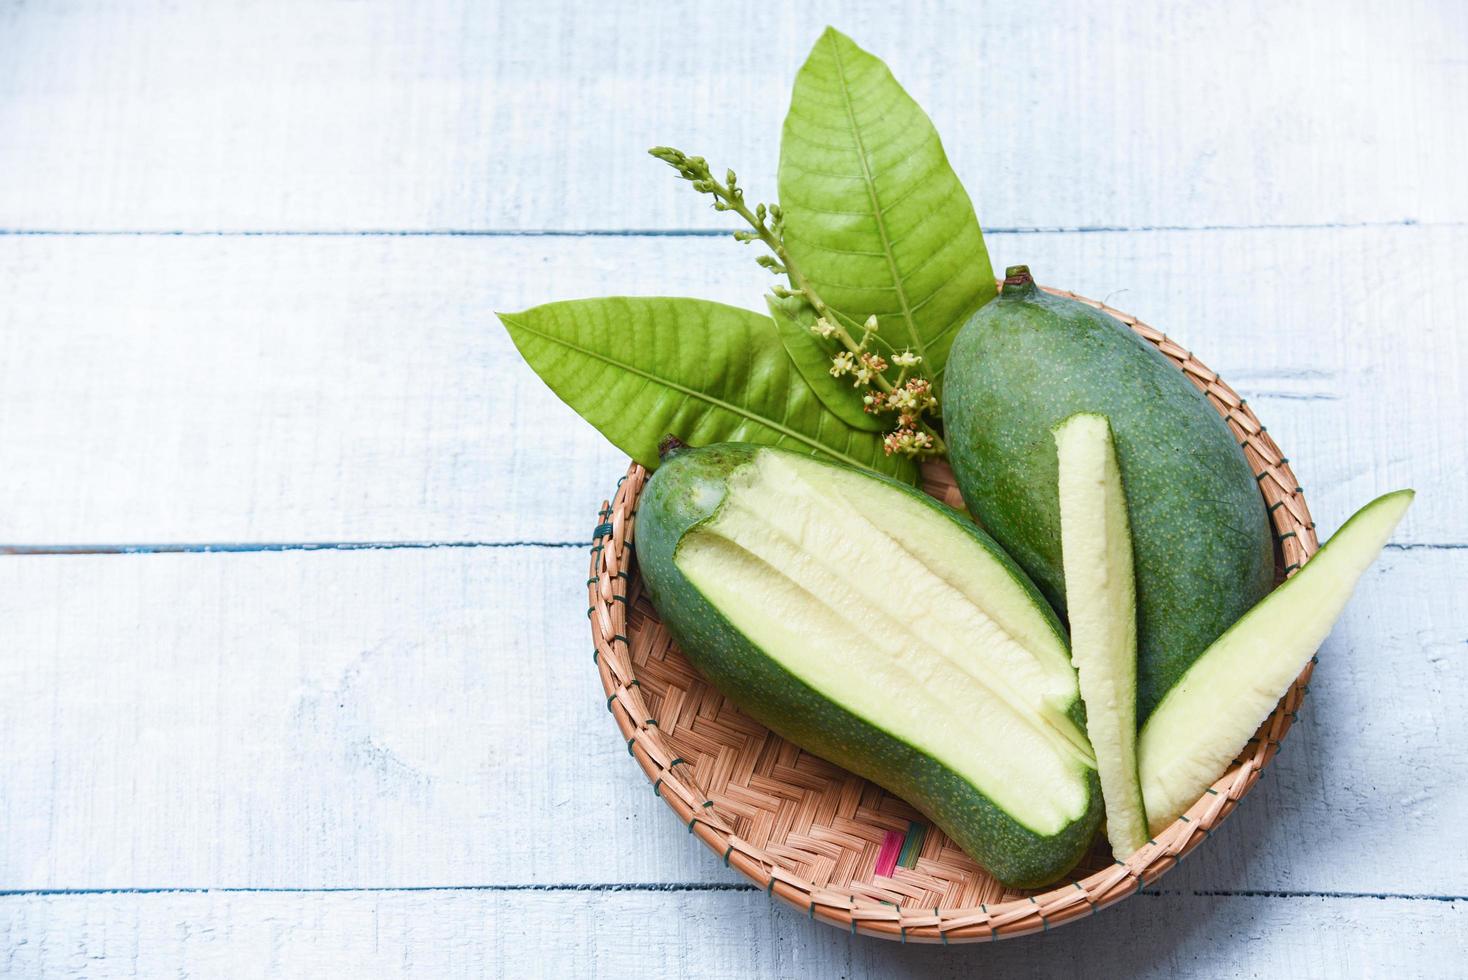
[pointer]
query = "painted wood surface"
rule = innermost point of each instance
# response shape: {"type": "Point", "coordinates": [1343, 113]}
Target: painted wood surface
{"type": "Point", "coordinates": [249, 255]}
{"type": "Point", "coordinates": [294, 389]}
{"type": "Point", "coordinates": [453, 114]}
{"type": "Point", "coordinates": [713, 935]}
{"type": "Point", "coordinates": [409, 717]}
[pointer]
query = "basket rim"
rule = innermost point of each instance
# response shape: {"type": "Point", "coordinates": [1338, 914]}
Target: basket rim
{"type": "Point", "coordinates": [611, 577]}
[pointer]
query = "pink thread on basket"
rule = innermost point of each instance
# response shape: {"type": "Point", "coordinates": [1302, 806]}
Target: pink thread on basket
{"type": "Point", "coordinates": [887, 856]}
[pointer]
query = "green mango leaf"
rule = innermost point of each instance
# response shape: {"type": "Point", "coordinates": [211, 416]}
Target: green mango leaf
{"type": "Point", "coordinates": [641, 368]}
{"type": "Point", "coordinates": [793, 318]}
{"type": "Point", "coordinates": [875, 217]}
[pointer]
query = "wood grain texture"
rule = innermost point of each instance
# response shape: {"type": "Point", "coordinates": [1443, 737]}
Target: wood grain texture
{"type": "Point", "coordinates": [453, 114]}
{"type": "Point", "coordinates": [358, 389]}
{"type": "Point", "coordinates": [696, 934]}
{"type": "Point", "coordinates": [429, 717]}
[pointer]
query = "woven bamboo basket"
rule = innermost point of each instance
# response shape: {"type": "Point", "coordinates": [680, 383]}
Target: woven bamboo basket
{"type": "Point", "coordinates": [839, 848]}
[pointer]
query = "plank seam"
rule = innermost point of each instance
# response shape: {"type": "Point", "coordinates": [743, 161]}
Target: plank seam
{"type": "Point", "coordinates": [678, 887]}
{"type": "Point", "coordinates": [246, 547]}
{"type": "Point", "coordinates": [658, 232]}
{"type": "Point", "coordinates": [22, 550]}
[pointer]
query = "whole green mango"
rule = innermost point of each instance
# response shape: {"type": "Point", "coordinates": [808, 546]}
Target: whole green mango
{"type": "Point", "coordinates": [1203, 550]}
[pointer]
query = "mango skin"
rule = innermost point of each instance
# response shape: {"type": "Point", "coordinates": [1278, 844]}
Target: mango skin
{"type": "Point", "coordinates": [1204, 552]}
{"type": "Point", "coordinates": [686, 490]}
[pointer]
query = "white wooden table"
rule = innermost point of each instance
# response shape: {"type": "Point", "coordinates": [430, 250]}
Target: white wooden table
{"type": "Point", "coordinates": [294, 670]}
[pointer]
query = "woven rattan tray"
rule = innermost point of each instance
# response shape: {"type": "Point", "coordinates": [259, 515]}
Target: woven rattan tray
{"type": "Point", "coordinates": [813, 833]}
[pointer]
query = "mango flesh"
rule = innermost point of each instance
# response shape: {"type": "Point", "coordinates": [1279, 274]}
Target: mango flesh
{"type": "Point", "coordinates": [891, 632]}
{"type": "Point", "coordinates": [883, 631]}
{"type": "Point", "coordinates": [1101, 592]}
{"type": "Point", "coordinates": [1209, 716]}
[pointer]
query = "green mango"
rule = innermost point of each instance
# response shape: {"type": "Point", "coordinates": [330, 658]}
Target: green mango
{"type": "Point", "coordinates": [879, 629]}
{"type": "Point", "coordinates": [1203, 550]}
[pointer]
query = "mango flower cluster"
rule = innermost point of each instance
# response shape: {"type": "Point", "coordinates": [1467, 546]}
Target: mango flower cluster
{"type": "Point", "coordinates": [908, 397]}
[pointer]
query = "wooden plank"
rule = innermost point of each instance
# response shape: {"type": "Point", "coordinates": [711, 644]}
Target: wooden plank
{"type": "Point", "coordinates": [429, 717]}
{"type": "Point", "coordinates": [453, 114]}
{"type": "Point", "coordinates": [350, 389]}
{"type": "Point", "coordinates": [698, 934]}
{"type": "Point", "coordinates": [421, 716]}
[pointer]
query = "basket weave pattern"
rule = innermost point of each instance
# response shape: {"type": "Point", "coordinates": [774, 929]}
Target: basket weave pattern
{"type": "Point", "coordinates": [809, 831]}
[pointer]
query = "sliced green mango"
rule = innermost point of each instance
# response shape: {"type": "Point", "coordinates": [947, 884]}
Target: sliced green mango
{"type": "Point", "coordinates": [1100, 592]}
{"type": "Point", "coordinates": [1211, 713]}
{"type": "Point", "coordinates": [875, 627]}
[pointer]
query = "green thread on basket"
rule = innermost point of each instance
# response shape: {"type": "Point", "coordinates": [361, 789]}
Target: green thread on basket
{"type": "Point", "coordinates": [912, 844]}
{"type": "Point", "coordinates": [657, 788]}
{"type": "Point", "coordinates": [602, 530]}
{"type": "Point", "coordinates": [726, 855]}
